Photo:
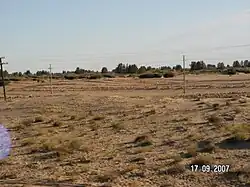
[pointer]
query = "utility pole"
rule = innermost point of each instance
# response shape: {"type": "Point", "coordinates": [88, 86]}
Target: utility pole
{"type": "Point", "coordinates": [51, 88]}
{"type": "Point", "coordinates": [2, 75]}
{"type": "Point", "coordinates": [184, 74]}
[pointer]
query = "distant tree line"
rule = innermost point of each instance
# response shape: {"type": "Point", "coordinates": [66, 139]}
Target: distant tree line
{"type": "Point", "coordinates": [134, 69]}
{"type": "Point", "coordinates": [200, 65]}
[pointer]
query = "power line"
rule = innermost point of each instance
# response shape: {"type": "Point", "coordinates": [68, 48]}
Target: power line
{"type": "Point", "coordinates": [233, 46]}
{"type": "Point", "coordinates": [151, 53]}
{"type": "Point", "coordinates": [139, 57]}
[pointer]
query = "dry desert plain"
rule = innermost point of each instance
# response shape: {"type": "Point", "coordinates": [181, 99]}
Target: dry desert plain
{"type": "Point", "coordinates": [128, 132]}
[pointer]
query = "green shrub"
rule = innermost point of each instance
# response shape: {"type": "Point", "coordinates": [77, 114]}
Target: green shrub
{"type": "Point", "coordinates": [95, 76]}
{"type": "Point", "coordinates": [246, 71]}
{"type": "Point", "coordinates": [157, 75]}
{"type": "Point", "coordinates": [108, 76]}
{"type": "Point", "coordinates": [70, 77]}
{"type": "Point", "coordinates": [169, 74]}
{"type": "Point", "coordinates": [150, 75]}
{"type": "Point", "coordinates": [82, 76]}
{"type": "Point", "coordinates": [15, 79]}
{"type": "Point", "coordinates": [231, 71]}
{"type": "Point", "coordinates": [121, 75]}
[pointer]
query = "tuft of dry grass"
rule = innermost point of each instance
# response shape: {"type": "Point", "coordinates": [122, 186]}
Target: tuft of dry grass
{"type": "Point", "coordinates": [202, 160]}
{"type": "Point", "coordinates": [214, 119]}
{"type": "Point", "coordinates": [128, 169]}
{"type": "Point", "coordinates": [176, 159]}
{"type": "Point", "coordinates": [197, 99]}
{"type": "Point", "coordinates": [141, 138]}
{"type": "Point", "coordinates": [38, 119]}
{"type": "Point", "coordinates": [3, 162]}
{"type": "Point", "coordinates": [237, 110]}
{"type": "Point", "coordinates": [216, 106]}
{"type": "Point", "coordinates": [242, 100]}
{"type": "Point", "coordinates": [27, 122]}
{"type": "Point", "coordinates": [143, 150]}
{"type": "Point", "coordinates": [142, 141]}
{"type": "Point", "coordinates": [27, 141]}
{"type": "Point", "coordinates": [205, 147]}
{"type": "Point", "coordinates": [73, 117]}
{"type": "Point", "coordinates": [62, 146]}
{"type": "Point", "coordinates": [228, 103]}
{"type": "Point", "coordinates": [192, 151]}
{"type": "Point", "coordinates": [94, 127]}
{"type": "Point", "coordinates": [150, 112]}
{"type": "Point", "coordinates": [74, 144]}
{"type": "Point", "coordinates": [98, 118]}
{"type": "Point", "coordinates": [117, 126]}
{"type": "Point", "coordinates": [106, 177]}
{"type": "Point", "coordinates": [57, 123]}
{"type": "Point", "coordinates": [239, 131]}
{"type": "Point", "coordinates": [176, 169]}
{"type": "Point", "coordinates": [137, 159]}
{"type": "Point", "coordinates": [229, 117]}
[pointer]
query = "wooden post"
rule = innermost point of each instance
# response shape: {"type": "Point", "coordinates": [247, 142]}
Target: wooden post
{"type": "Point", "coordinates": [2, 76]}
{"type": "Point", "coordinates": [184, 74]}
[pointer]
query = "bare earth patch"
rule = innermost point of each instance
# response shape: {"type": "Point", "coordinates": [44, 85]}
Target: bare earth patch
{"type": "Point", "coordinates": [128, 132]}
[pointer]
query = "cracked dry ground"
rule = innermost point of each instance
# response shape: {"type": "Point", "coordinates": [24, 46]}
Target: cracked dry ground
{"type": "Point", "coordinates": [127, 138]}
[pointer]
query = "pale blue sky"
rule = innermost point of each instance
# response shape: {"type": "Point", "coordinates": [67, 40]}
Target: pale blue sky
{"type": "Point", "coordinates": [96, 33]}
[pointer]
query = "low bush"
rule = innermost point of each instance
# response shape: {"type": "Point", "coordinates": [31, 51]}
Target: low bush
{"type": "Point", "coordinates": [70, 77]}
{"type": "Point", "coordinates": [15, 79]}
{"type": "Point", "coordinates": [169, 74]}
{"type": "Point", "coordinates": [230, 71]}
{"type": "Point", "coordinates": [82, 76]}
{"type": "Point", "coordinates": [150, 75]}
{"type": "Point", "coordinates": [108, 76]}
{"type": "Point", "coordinates": [96, 76]}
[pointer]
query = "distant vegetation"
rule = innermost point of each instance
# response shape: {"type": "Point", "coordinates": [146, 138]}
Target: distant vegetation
{"type": "Point", "coordinates": [131, 70]}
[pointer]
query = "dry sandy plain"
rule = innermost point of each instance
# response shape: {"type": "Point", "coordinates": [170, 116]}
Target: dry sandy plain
{"type": "Point", "coordinates": [128, 132]}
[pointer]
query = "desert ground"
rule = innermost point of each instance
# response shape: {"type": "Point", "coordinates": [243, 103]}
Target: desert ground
{"type": "Point", "coordinates": [128, 132]}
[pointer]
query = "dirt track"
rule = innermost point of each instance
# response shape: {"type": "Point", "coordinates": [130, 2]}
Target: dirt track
{"type": "Point", "coordinates": [128, 132]}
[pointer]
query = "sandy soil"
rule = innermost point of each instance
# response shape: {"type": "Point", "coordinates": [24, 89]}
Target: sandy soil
{"type": "Point", "coordinates": [128, 132]}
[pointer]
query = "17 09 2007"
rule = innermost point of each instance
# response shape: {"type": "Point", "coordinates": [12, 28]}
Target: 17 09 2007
{"type": "Point", "coordinates": [220, 168]}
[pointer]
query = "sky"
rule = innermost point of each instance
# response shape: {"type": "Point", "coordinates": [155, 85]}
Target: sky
{"type": "Point", "coordinates": [91, 34]}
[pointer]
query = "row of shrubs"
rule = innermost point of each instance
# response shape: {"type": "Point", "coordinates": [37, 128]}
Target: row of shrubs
{"type": "Point", "coordinates": [157, 75]}
{"type": "Point", "coordinates": [229, 71]}
{"type": "Point", "coordinates": [168, 74]}
{"type": "Point", "coordinates": [98, 76]}
{"type": "Point", "coordinates": [94, 76]}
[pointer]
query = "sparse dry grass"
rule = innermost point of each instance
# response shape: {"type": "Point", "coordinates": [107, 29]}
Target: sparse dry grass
{"type": "Point", "coordinates": [38, 119]}
{"type": "Point", "coordinates": [98, 118]}
{"type": "Point", "coordinates": [57, 123]}
{"type": "Point", "coordinates": [202, 160]}
{"type": "Point", "coordinates": [112, 132]}
{"type": "Point", "coordinates": [239, 131]}
{"type": "Point", "coordinates": [214, 119]}
{"type": "Point", "coordinates": [27, 122]}
{"type": "Point", "coordinates": [117, 126]}
{"type": "Point", "coordinates": [73, 117]}
{"type": "Point", "coordinates": [242, 100]}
